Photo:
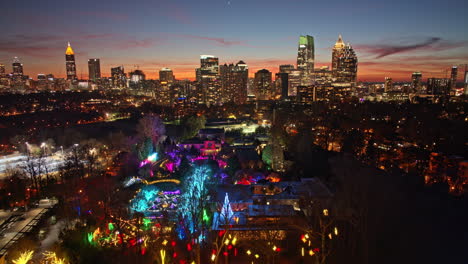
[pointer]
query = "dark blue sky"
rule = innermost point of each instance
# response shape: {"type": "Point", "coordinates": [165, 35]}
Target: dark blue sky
{"type": "Point", "coordinates": [391, 38]}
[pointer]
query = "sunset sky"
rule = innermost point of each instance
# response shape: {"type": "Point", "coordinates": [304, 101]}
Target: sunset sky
{"type": "Point", "coordinates": [391, 38]}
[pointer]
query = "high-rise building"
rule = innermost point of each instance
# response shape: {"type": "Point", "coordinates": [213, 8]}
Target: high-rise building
{"type": "Point", "coordinates": [337, 52]}
{"type": "Point", "coordinates": [70, 63]}
{"type": "Point", "coordinates": [305, 59]}
{"type": "Point", "coordinates": [416, 81]}
{"type": "Point", "coordinates": [94, 70]}
{"type": "Point", "coordinates": [282, 84]}
{"type": "Point", "coordinates": [294, 80]}
{"type": "Point", "coordinates": [41, 77]}
{"type": "Point", "coordinates": [168, 93]}
{"type": "Point", "coordinates": [2, 70]}
{"type": "Point", "coordinates": [453, 78]}
{"type": "Point", "coordinates": [208, 80]}
{"type": "Point", "coordinates": [137, 76]}
{"type": "Point", "coordinates": [239, 82]}
{"type": "Point", "coordinates": [323, 75]}
{"type": "Point", "coordinates": [17, 67]}
{"type": "Point", "coordinates": [50, 77]}
{"type": "Point", "coordinates": [344, 62]}
{"type": "Point", "coordinates": [388, 86]}
{"type": "Point", "coordinates": [166, 76]}
{"type": "Point", "coordinates": [234, 79]}
{"type": "Point", "coordinates": [119, 79]}
{"type": "Point", "coordinates": [286, 68]}
{"type": "Point", "coordinates": [438, 86]}
{"type": "Point", "coordinates": [263, 84]}
{"type": "Point", "coordinates": [466, 82]}
{"type": "Point", "coordinates": [306, 94]}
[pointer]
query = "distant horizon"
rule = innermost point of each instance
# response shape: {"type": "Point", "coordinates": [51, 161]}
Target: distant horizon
{"type": "Point", "coordinates": [187, 75]}
{"type": "Point", "coordinates": [391, 39]}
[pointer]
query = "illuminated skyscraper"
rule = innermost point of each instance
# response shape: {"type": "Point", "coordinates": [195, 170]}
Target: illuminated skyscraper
{"type": "Point", "coordinates": [305, 59]}
{"type": "Point", "coordinates": [453, 78]}
{"type": "Point", "coordinates": [344, 62]}
{"type": "Point", "coordinates": [70, 63]}
{"type": "Point", "coordinates": [166, 76]}
{"type": "Point", "coordinates": [438, 86]}
{"type": "Point", "coordinates": [323, 75]}
{"type": "Point", "coordinates": [388, 86]}
{"type": "Point", "coordinates": [286, 68]}
{"type": "Point", "coordinates": [466, 82]}
{"type": "Point", "coordinates": [168, 93]}
{"type": "Point", "coordinates": [41, 77]}
{"type": "Point", "coordinates": [337, 52]}
{"type": "Point", "coordinates": [17, 67]}
{"type": "Point", "coordinates": [94, 69]}
{"type": "Point", "coordinates": [234, 79]}
{"type": "Point", "coordinates": [416, 81]}
{"type": "Point", "coordinates": [294, 80]}
{"type": "Point", "coordinates": [263, 84]}
{"type": "Point", "coordinates": [137, 76]}
{"type": "Point", "coordinates": [119, 79]}
{"type": "Point", "coordinates": [2, 70]}
{"type": "Point", "coordinates": [208, 80]}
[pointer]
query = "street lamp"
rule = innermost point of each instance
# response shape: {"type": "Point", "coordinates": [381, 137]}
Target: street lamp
{"type": "Point", "coordinates": [43, 146]}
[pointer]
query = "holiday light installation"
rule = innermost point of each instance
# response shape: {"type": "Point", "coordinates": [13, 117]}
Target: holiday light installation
{"type": "Point", "coordinates": [24, 257]}
{"type": "Point", "coordinates": [195, 190]}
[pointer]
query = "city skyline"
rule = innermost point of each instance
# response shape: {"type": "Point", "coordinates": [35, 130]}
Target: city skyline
{"type": "Point", "coordinates": [386, 46]}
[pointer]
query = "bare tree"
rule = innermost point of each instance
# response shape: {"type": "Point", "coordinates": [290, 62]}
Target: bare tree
{"type": "Point", "coordinates": [151, 127]}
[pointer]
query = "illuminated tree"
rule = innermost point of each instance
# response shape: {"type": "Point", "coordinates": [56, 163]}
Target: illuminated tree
{"type": "Point", "coordinates": [151, 127]}
{"type": "Point", "coordinates": [193, 205]}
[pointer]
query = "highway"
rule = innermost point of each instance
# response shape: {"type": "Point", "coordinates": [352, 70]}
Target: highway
{"type": "Point", "coordinates": [16, 161]}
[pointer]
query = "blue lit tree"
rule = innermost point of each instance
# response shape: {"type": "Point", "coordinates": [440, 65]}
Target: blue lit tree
{"type": "Point", "coordinates": [193, 204]}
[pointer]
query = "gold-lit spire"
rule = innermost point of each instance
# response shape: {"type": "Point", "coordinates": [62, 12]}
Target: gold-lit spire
{"type": "Point", "coordinates": [339, 43]}
{"type": "Point", "coordinates": [69, 50]}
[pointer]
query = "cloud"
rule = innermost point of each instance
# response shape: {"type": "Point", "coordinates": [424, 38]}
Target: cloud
{"type": "Point", "coordinates": [218, 41]}
{"type": "Point", "coordinates": [387, 50]}
{"type": "Point", "coordinates": [135, 43]}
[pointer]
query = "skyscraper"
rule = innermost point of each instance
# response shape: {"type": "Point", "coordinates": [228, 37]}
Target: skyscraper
{"type": "Point", "coordinates": [168, 92]}
{"type": "Point", "coordinates": [263, 84]}
{"type": "Point", "coordinates": [94, 69]}
{"type": "Point", "coordinates": [166, 76]}
{"type": "Point", "coordinates": [137, 76]}
{"type": "Point", "coordinates": [337, 52]}
{"type": "Point", "coordinates": [344, 62]}
{"type": "Point", "coordinates": [294, 80]}
{"type": "Point", "coordinates": [388, 86]}
{"type": "Point", "coordinates": [286, 68]}
{"type": "Point", "coordinates": [239, 82]}
{"type": "Point", "coordinates": [208, 80]}
{"type": "Point", "coordinates": [416, 81]}
{"type": "Point", "coordinates": [305, 59]}
{"type": "Point", "coordinates": [2, 70]}
{"type": "Point", "coordinates": [70, 63]}
{"type": "Point", "coordinates": [453, 78]}
{"type": "Point", "coordinates": [118, 77]}
{"type": "Point", "coordinates": [234, 79]}
{"type": "Point", "coordinates": [282, 84]}
{"type": "Point", "coordinates": [466, 82]}
{"type": "Point", "coordinates": [17, 67]}
{"type": "Point", "coordinates": [438, 86]}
